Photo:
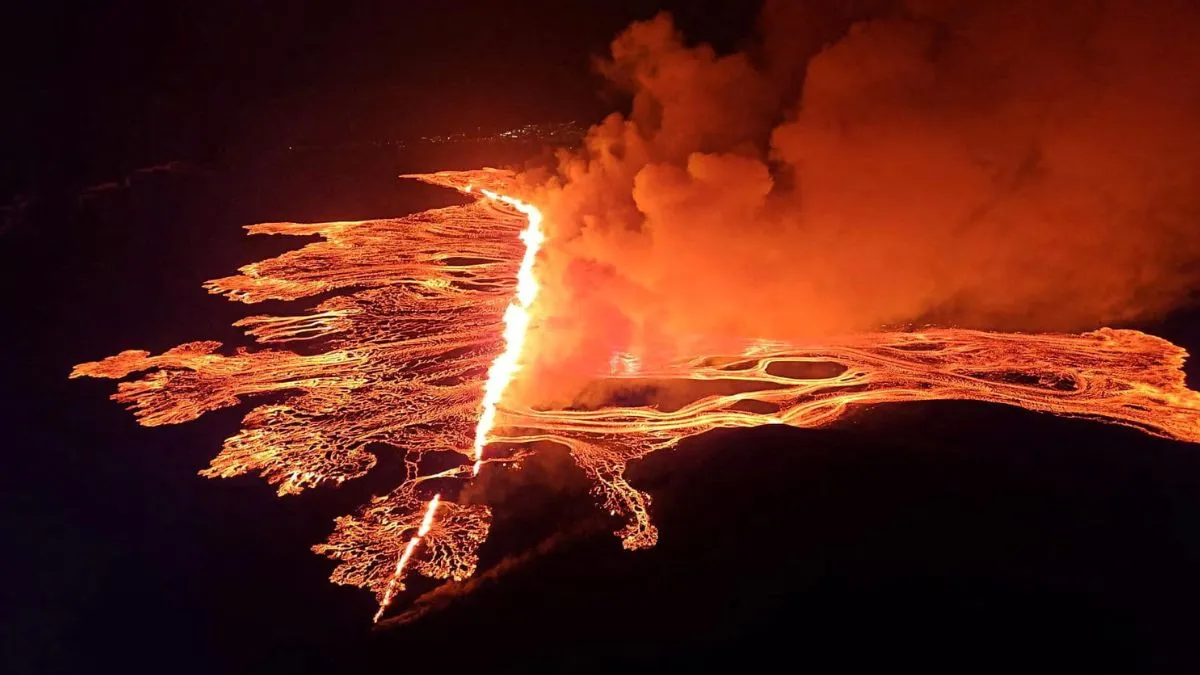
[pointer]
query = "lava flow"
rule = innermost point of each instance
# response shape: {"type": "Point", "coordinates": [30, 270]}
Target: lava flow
{"type": "Point", "coordinates": [426, 523]}
{"type": "Point", "coordinates": [416, 352]}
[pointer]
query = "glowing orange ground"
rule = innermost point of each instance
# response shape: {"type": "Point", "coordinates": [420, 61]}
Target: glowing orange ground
{"type": "Point", "coordinates": [417, 352]}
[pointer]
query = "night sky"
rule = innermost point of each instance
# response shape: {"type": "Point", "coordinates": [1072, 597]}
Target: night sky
{"type": "Point", "coordinates": [967, 536]}
{"type": "Point", "coordinates": [136, 81]}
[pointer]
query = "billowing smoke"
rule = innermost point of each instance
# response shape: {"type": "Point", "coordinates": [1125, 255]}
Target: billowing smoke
{"type": "Point", "coordinates": [1009, 164]}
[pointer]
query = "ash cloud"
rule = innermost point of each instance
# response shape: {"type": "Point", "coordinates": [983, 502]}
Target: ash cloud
{"type": "Point", "coordinates": [1005, 165]}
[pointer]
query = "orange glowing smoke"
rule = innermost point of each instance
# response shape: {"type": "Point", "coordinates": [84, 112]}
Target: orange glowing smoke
{"type": "Point", "coordinates": [417, 352]}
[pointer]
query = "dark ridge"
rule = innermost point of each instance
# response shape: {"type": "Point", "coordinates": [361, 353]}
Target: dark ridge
{"type": "Point", "coordinates": [805, 370]}
{"type": "Point", "coordinates": [1044, 381]}
{"type": "Point", "coordinates": [462, 261]}
{"type": "Point", "coordinates": [471, 286]}
{"type": "Point", "coordinates": [755, 407]}
{"type": "Point", "coordinates": [664, 395]}
{"type": "Point", "coordinates": [918, 347]}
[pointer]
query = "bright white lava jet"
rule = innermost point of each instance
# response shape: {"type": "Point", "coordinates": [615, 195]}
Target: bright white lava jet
{"type": "Point", "coordinates": [426, 523]}
{"type": "Point", "coordinates": [516, 322]}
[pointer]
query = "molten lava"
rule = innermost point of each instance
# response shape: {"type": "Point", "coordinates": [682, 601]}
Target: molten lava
{"type": "Point", "coordinates": [417, 352]}
{"type": "Point", "coordinates": [516, 323]}
{"type": "Point", "coordinates": [402, 562]}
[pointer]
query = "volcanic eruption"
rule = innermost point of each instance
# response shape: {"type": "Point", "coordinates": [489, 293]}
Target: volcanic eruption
{"type": "Point", "coordinates": [734, 253]}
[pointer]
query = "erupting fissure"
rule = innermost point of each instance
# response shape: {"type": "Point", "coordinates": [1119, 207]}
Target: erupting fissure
{"type": "Point", "coordinates": [516, 323]}
{"type": "Point", "coordinates": [425, 303]}
{"type": "Point", "coordinates": [502, 371]}
{"type": "Point", "coordinates": [402, 561]}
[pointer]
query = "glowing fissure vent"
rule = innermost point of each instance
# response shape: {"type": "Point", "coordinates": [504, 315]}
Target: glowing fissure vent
{"type": "Point", "coordinates": [516, 322]}
{"type": "Point", "coordinates": [402, 562]}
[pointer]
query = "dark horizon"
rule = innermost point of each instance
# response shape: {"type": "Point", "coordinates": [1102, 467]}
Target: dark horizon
{"type": "Point", "coordinates": [103, 90]}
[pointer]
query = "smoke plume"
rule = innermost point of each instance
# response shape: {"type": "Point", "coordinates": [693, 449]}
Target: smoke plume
{"type": "Point", "coordinates": [988, 164]}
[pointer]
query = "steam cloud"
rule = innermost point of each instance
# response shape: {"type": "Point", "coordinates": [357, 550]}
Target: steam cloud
{"type": "Point", "coordinates": [1002, 165]}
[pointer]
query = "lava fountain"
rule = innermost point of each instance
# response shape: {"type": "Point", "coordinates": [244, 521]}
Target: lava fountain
{"type": "Point", "coordinates": [516, 323]}
{"type": "Point", "coordinates": [425, 330]}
